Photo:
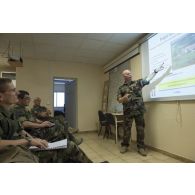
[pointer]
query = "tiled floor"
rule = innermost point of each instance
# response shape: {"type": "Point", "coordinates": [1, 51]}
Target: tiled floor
{"type": "Point", "coordinates": [99, 149]}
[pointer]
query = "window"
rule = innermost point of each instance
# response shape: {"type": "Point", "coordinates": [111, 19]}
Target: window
{"type": "Point", "coordinates": [59, 99]}
{"type": "Point", "coordinates": [9, 75]}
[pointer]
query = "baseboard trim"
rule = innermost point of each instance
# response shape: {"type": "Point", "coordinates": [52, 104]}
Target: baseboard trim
{"type": "Point", "coordinates": [88, 131]}
{"type": "Point", "coordinates": [169, 154]}
{"type": "Point", "coordinates": [172, 155]}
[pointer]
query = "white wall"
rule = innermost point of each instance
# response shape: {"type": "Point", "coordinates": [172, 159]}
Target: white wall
{"type": "Point", "coordinates": [37, 78]}
{"type": "Point", "coordinates": [169, 126]}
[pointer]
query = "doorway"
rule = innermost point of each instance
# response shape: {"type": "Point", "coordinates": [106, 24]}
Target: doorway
{"type": "Point", "coordinates": [65, 99]}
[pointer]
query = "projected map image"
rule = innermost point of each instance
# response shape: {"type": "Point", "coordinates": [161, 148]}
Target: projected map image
{"type": "Point", "coordinates": [183, 51]}
{"type": "Point", "coordinates": [181, 78]}
{"type": "Point", "coordinates": [177, 52]}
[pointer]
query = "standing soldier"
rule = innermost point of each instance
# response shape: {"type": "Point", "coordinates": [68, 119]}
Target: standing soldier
{"type": "Point", "coordinates": [130, 95]}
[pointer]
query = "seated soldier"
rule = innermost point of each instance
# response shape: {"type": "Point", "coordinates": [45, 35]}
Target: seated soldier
{"type": "Point", "coordinates": [13, 141]}
{"type": "Point", "coordinates": [36, 105]}
{"type": "Point", "coordinates": [43, 115]}
{"type": "Point", "coordinates": [39, 128]}
{"type": "Point", "coordinates": [61, 117]}
{"type": "Point", "coordinates": [47, 130]}
{"type": "Point", "coordinates": [35, 112]}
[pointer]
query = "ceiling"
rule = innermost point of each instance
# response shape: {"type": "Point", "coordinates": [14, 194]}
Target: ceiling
{"type": "Point", "coordinates": [88, 48]}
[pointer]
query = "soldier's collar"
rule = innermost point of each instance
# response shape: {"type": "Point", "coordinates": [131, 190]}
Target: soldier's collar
{"type": "Point", "coordinates": [4, 111]}
{"type": "Point", "coordinates": [19, 105]}
{"type": "Point", "coordinates": [128, 82]}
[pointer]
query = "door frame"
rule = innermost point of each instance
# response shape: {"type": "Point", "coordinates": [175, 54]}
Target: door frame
{"type": "Point", "coordinates": [68, 78]}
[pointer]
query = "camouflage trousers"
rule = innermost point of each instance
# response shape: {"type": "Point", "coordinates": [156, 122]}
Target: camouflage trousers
{"type": "Point", "coordinates": [140, 125]}
{"type": "Point", "coordinates": [70, 154]}
{"type": "Point", "coordinates": [58, 132]}
{"type": "Point", "coordinates": [51, 134]}
{"type": "Point", "coordinates": [17, 154]}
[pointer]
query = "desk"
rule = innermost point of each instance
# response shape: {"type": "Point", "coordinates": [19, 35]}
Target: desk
{"type": "Point", "coordinates": [116, 123]}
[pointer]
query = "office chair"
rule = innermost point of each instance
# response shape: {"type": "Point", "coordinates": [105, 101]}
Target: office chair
{"type": "Point", "coordinates": [59, 113]}
{"type": "Point", "coordinates": [102, 121]}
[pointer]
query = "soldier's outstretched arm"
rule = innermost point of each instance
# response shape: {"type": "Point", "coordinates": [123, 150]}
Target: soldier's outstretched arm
{"type": "Point", "coordinates": [29, 124]}
{"type": "Point", "coordinates": [4, 143]}
{"type": "Point", "coordinates": [33, 142]}
{"type": "Point", "coordinates": [152, 75]}
{"type": "Point", "coordinates": [157, 81]}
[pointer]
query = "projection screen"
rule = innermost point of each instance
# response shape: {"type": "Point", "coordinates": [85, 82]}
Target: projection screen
{"type": "Point", "coordinates": [177, 54]}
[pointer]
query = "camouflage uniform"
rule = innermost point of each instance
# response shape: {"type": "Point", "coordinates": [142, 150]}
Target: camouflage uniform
{"type": "Point", "coordinates": [35, 110]}
{"type": "Point", "coordinates": [133, 109]}
{"type": "Point", "coordinates": [51, 134]}
{"type": "Point", "coordinates": [71, 154]}
{"type": "Point", "coordinates": [9, 130]}
{"type": "Point", "coordinates": [60, 123]}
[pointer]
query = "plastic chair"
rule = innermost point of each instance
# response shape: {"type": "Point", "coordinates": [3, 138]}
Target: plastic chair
{"type": "Point", "coordinates": [111, 122]}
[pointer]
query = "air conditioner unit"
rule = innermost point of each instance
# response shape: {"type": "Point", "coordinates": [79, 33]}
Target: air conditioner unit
{"type": "Point", "coordinates": [9, 75]}
{"type": "Point", "coordinates": [11, 61]}
{"type": "Point", "coordinates": [15, 61]}
{"type": "Point", "coordinates": [9, 57]}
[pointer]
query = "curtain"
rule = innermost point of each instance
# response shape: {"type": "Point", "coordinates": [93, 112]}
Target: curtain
{"type": "Point", "coordinates": [115, 81]}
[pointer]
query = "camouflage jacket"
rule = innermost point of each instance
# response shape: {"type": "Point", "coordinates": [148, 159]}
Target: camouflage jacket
{"type": "Point", "coordinates": [55, 133]}
{"type": "Point", "coordinates": [9, 130]}
{"type": "Point", "coordinates": [135, 105]}
{"type": "Point", "coordinates": [22, 114]}
{"type": "Point", "coordinates": [35, 110]}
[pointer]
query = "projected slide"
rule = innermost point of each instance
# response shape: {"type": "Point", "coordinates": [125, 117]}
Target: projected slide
{"type": "Point", "coordinates": [177, 52]}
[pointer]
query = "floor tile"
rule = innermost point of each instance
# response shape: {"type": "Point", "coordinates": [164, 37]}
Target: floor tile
{"type": "Point", "coordinates": [99, 149]}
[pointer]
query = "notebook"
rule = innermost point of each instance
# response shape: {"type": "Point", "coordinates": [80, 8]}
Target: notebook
{"type": "Point", "coordinates": [52, 146]}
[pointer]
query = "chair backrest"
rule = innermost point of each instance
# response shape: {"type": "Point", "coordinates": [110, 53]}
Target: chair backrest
{"type": "Point", "coordinates": [110, 118]}
{"type": "Point", "coordinates": [102, 117]}
{"type": "Point", "coordinates": [59, 113]}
